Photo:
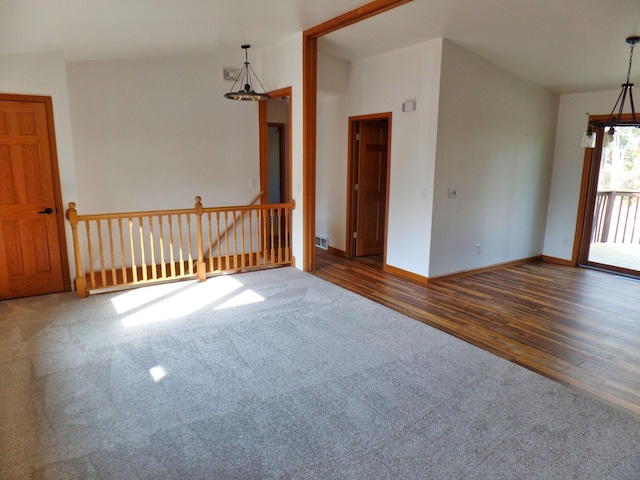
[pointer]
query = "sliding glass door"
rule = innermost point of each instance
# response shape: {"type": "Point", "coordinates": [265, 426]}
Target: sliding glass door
{"type": "Point", "coordinates": [613, 242]}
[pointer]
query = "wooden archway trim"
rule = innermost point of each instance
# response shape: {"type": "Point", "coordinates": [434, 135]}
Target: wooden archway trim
{"type": "Point", "coordinates": [309, 110]}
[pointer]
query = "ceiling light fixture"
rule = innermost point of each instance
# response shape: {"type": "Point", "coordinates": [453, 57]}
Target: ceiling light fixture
{"type": "Point", "coordinates": [615, 119]}
{"type": "Point", "coordinates": [245, 75]}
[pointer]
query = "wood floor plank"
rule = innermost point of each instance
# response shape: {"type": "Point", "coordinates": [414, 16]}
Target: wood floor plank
{"type": "Point", "coordinates": [577, 326]}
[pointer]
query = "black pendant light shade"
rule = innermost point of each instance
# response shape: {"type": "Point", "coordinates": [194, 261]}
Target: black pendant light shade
{"type": "Point", "coordinates": [247, 93]}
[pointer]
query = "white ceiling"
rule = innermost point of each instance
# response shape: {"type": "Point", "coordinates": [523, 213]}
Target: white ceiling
{"type": "Point", "coordinates": [564, 45]}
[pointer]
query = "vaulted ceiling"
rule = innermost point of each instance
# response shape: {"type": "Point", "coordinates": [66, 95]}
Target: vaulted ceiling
{"type": "Point", "coordinates": [566, 46]}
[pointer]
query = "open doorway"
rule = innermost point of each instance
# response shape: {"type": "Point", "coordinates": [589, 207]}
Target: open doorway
{"type": "Point", "coordinates": [275, 147]}
{"type": "Point", "coordinates": [611, 234]}
{"type": "Point", "coordinates": [368, 181]}
{"type": "Point", "coordinates": [277, 164]}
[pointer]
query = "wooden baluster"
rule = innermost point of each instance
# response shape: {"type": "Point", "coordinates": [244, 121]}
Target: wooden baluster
{"type": "Point", "coordinates": [202, 269]}
{"type": "Point", "coordinates": [263, 230]}
{"type": "Point", "coordinates": [122, 256]}
{"type": "Point", "coordinates": [243, 252]}
{"type": "Point", "coordinates": [280, 234]}
{"type": "Point", "coordinates": [226, 241]}
{"type": "Point", "coordinates": [134, 267]}
{"type": "Point", "coordinates": [171, 250]}
{"type": "Point", "coordinates": [143, 254]}
{"type": "Point", "coordinates": [211, 267]}
{"type": "Point", "coordinates": [103, 273]}
{"type": "Point", "coordinates": [92, 275]}
{"type": "Point", "coordinates": [235, 242]}
{"type": "Point", "coordinates": [273, 252]}
{"type": "Point", "coordinates": [163, 263]}
{"type": "Point", "coordinates": [180, 245]}
{"type": "Point", "coordinates": [189, 250]}
{"type": "Point", "coordinates": [251, 237]}
{"type": "Point", "coordinates": [114, 279]}
{"type": "Point", "coordinates": [152, 249]}
{"type": "Point", "coordinates": [287, 234]}
{"type": "Point", "coordinates": [80, 282]}
{"type": "Point", "coordinates": [219, 257]}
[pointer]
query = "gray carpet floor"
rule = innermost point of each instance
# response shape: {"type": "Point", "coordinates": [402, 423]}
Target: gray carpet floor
{"type": "Point", "coordinates": [279, 375]}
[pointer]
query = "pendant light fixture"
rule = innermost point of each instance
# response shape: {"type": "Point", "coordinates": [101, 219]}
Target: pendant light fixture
{"type": "Point", "coordinates": [615, 118]}
{"type": "Point", "coordinates": [247, 93]}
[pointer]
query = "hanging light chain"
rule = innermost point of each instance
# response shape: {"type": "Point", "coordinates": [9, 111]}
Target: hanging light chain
{"type": "Point", "coordinates": [633, 44]}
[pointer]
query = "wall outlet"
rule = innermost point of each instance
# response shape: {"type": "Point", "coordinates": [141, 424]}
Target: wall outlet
{"type": "Point", "coordinates": [477, 248]}
{"type": "Point", "coordinates": [253, 183]}
{"type": "Point", "coordinates": [565, 241]}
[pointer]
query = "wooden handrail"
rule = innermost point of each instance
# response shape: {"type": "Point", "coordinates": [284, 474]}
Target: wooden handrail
{"type": "Point", "coordinates": [120, 250]}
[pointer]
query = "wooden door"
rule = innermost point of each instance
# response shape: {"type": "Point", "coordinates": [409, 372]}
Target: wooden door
{"type": "Point", "coordinates": [30, 241]}
{"type": "Point", "coordinates": [371, 194]}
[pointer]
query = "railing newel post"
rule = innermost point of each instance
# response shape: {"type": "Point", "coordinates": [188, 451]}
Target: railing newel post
{"type": "Point", "coordinates": [202, 269]}
{"type": "Point", "coordinates": [72, 216]}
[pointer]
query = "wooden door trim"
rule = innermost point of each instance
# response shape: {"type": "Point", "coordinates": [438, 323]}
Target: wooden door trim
{"type": "Point", "coordinates": [351, 179]}
{"type": "Point", "coordinates": [264, 153]}
{"type": "Point", "coordinates": [55, 173]}
{"type": "Point", "coordinates": [309, 111]}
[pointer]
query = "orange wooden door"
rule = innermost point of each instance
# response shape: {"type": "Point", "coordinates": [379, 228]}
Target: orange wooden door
{"type": "Point", "coordinates": [30, 258]}
{"type": "Point", "coordinates": [372, 187]}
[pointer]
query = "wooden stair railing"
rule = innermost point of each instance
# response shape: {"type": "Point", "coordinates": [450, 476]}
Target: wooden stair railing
{"type": "Point", "coordinates": [123, 250]}
{"type": "Point", "coordinates": [234, 224]}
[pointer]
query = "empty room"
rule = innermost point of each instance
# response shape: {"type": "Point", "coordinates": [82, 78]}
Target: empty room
{"type": "Point", "coordinates": [297, 239]}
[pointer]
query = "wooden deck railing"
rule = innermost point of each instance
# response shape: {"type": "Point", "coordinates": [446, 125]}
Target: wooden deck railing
{"type": "Point", "coordinates": [120, 250]}
{"type": "Point", "coordinates": [616, 217]}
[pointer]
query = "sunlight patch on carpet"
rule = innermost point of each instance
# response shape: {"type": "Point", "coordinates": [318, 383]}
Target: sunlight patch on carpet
{"type": "Point", "coordinates": [184, 302]}
{"type": "Point", "coordinates": [138, 297]}
{"type": "Point", "coordinates": [157, 373]}
{"type": "Point", "coordinates": [247, 297]}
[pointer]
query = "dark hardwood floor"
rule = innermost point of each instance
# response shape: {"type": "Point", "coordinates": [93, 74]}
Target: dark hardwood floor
{"type": "Point", "coordinates": [577, 326]}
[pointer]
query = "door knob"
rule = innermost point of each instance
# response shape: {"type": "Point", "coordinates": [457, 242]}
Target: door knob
{"type": "Point", "coordinates": [47, 211]}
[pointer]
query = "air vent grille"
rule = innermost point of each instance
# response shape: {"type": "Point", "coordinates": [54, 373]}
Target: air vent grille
{"type": "Point", "coordinates": [322, 242]}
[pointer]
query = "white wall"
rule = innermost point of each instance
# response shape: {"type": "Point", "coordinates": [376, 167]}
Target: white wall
{"type": "Point", "coordinates": [495, 145]}
{"type": "Point", "coordinates": [44, 74]}
{"type": "Point", "coordinates": [567, 167]}
{"type": "Point", "coordinates": [333, 74]}
{"type": "Point", "coordinates": [153, 133]}
{"type": "Point", "coordinates": [331, 169]}
{"type": "Point", "coordinates": [382, 84]}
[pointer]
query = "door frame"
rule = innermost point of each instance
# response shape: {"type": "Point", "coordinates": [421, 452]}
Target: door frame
{"type": "Point", "coordinates": [352, 178]}
{"type": "Point", "coordinates": [586, 203]}
{"type": "Point", "coordinates": [55, 173]}
{"type": "Point", "coordinates": [309, 112]}
{"type": "Point", "coordinates": [263, 123]}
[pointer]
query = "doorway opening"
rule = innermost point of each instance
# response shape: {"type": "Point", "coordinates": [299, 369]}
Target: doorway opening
{"type": "Point", "coordinates": [611, 233]}
{"type": "Point", "coordinates": [368, 184]}
{"type": "Point", "coordinates": [276, 159]}
{"type": "Point", "coordinates": [275, 147]}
